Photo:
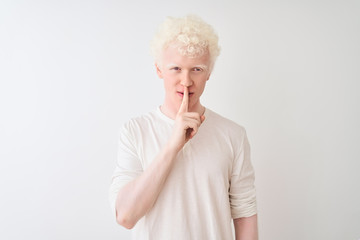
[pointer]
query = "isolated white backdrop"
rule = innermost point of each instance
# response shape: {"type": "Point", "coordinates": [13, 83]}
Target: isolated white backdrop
{"type": "Point", "coordinates": [72, 71]}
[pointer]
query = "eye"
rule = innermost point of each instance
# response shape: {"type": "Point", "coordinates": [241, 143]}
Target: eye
{"type": "Point", "coordinates": [176, 68]}
{"type": "Point", "coordinates": [197, 69]}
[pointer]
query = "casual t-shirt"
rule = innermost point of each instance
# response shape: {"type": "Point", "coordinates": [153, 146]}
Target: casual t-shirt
{"type": "Point", "coordinates": [211, 182]}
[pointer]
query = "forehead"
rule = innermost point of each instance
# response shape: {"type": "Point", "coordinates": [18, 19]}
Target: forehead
{"type": "Point", "coordinates": [171, 55]}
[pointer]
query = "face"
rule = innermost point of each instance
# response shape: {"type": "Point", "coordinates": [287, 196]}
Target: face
{"type": "Point", "coordinates": [179, 72]}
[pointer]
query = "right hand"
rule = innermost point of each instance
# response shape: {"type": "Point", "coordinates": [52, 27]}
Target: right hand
{"type": "Point", "coordinates": [186, 124]}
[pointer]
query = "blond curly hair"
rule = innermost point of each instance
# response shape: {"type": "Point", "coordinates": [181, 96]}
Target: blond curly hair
{"type": "Point", "coordinates": [191, 35]}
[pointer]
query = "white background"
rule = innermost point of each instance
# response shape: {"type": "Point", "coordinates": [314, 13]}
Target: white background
{"type": "Point", "coordinates": [73, 71]}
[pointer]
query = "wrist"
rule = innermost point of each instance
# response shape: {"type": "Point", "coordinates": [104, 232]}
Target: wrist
{"type": "Point", "coordinates": [171, 149]}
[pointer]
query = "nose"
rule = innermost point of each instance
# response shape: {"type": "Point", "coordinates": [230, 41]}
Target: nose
{"type": "Point", "coordinates": [186, 80]}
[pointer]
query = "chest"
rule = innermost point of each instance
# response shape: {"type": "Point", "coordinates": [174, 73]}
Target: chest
{"type": "Point", "coordinates": [206, 157]}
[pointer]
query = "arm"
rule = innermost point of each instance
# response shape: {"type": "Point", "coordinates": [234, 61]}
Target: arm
{"type": "Point", "coordinates": [246, 228]}
{"type": "Point", "coordinates": [243, 195]}
{"type": "Point", "coordinates": [137, 197]}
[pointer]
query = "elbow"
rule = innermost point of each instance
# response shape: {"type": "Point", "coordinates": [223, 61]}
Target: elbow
{"type": "Point", "coordinates": [124, 221]}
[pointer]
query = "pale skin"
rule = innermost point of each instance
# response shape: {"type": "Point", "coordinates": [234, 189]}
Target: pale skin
{"type": "Point", "coordinates": [184, 81]}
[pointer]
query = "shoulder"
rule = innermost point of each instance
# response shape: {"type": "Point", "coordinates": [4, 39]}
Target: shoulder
{"type": "Point", "coordinates": [139, 122]}
{"type": "Point", "coordinates": [224, 124]}
{"type": "Point", "coordinates": [146, 123]}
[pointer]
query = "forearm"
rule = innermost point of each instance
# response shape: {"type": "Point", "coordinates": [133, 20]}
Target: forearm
{"type": "Point", "coordinates": [137, 197]}
{"type": "Point", "coordinates": [246, 228]}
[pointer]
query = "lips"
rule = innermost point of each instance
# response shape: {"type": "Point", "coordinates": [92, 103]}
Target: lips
{"type": "Point", "coordinates": [182, 94]}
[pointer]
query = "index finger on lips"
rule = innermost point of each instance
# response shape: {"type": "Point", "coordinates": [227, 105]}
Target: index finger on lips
{"type": "Point", "coordinates": [185, 101]}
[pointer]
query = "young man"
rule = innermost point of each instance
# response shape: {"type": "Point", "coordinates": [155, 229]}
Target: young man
{"type": "Point", "coordinates": [183, 171]}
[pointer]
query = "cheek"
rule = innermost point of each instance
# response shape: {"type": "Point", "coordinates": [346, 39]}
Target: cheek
{"type": "Point", "coordinates": [170, 80]}
{"type": "Point", "coordinates": [169, 83]}
{"type": "Point", "coordinates": [201, 83]}
{"type": "Point", "coordinates": [202, 88]}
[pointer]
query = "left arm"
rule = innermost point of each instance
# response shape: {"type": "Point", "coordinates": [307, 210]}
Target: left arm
{"type": "Point", "coordinates": [242, 194]}
{"type": "Point", "coordinates": [246, 228]}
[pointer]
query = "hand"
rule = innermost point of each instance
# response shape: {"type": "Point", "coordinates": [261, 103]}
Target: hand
{"type": "Point", "coordinates": [186, 123]}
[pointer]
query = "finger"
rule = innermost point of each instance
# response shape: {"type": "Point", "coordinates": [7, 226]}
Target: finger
{"type": "Point", "coordinates": [185, 101]}
{"type": "Point", "coordinates": [192, 130]}
{"type": "Point", "coordinates": [202, 118]}
{"type": "Point", "coordinates": [190, 116]}
{"type": "Point", "coordinates": [188, 134]}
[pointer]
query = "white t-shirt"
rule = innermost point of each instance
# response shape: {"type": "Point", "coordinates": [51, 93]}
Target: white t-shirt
{"type": "Point", "coordinates": [211, 182]}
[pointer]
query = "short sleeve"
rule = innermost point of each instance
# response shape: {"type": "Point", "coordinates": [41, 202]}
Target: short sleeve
{"type": "Point", "coordinates": [242, 192]}
{"type": "Point", "coordinates": [128, 165]}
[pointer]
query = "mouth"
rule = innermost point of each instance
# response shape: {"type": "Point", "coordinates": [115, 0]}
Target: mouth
{"type": "Point", "coordinates": [182, 94]}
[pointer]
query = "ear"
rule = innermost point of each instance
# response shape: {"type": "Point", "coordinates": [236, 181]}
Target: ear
{"type": "Point", "coordinates": [210, 71]}
{"type": "Point", "coordinates": [208, 76]}
{"type": "Point", "coordinates": [158, 71]}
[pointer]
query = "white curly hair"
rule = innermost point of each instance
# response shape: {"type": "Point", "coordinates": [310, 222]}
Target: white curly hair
{"type": "Point", "coordinates": [191, 35]}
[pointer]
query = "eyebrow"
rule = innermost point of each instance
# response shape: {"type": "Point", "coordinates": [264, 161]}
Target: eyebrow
{"type": "Point", "coordinates": [171, 65]}
{"type": "Point", "coordinates": [203, 66]}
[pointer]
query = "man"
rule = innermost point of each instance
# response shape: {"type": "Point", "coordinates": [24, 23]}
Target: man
{"type": "Point", "coordinates": [183, 171]}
